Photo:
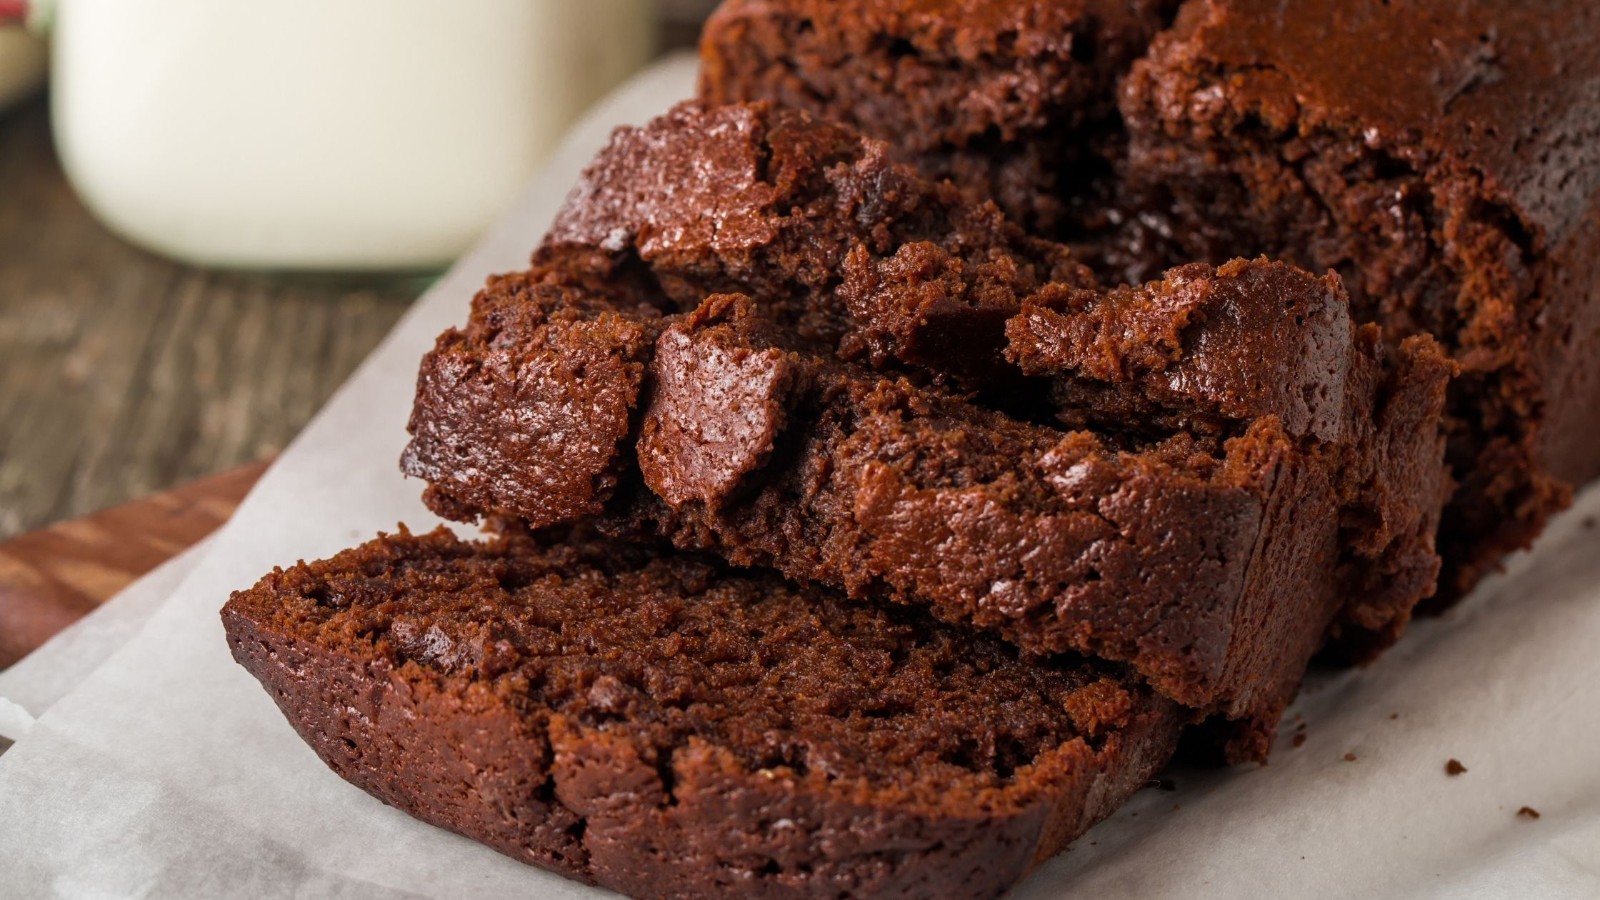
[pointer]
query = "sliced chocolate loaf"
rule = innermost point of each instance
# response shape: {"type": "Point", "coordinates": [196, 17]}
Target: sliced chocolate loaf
{"type": "Point", "coordinates": [1211, 544]}
{"type": "Point", "coordinates": [658, 725]}
{"type": "Point", "coordinates": [1442, 155]}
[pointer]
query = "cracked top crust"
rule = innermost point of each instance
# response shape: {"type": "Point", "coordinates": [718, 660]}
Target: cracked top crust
{"type": "Point", "coordinates": [1201, 349]}
{"type": "Point", "coordinates": [1506, 89]}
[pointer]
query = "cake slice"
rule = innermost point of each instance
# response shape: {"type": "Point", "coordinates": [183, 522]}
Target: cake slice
{"type": "Point", "coordinates": [532, 402]}
{"type": "Point", "coordinates": [1211, 544]}
{"type": "Point", "coordinates": [661, 726]}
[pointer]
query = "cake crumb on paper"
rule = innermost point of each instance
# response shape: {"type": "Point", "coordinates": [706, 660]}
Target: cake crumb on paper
{"type": "Point", "coordinates": [1454, 767]}
{"type": "Point", "coordinates": [1527, 812]}
{"type": "Point", "coordinates": [1349, 757]}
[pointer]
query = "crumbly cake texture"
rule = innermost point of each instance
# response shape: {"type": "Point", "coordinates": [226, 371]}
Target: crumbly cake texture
{"type": "Point", "coordinates": [1226, 422]}
{"type": "Point", "coordinates": [847, 249]}
{"type": "Point", "coordinates": [534, 399]}
{"type": "Point", "coordinates": [1014, 98]}
{"type": "Point", "coordinates": [1443, 157]}
{"type": "Point", "coordinates": [758, 335]}
{"type": "Point", "coordinates": [659, 725]}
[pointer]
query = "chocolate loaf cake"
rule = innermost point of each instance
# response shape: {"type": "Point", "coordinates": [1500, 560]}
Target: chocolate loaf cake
{"type": "Point", "coordinates": [1440, 155]}
{"type": "Point", "coordinates": [658, 725]}
{"type": "Point", "coordinates": [1445, 158]}
{"type": "Point", "coordinates": [1274, 482]}
{"type": "Point", "coordinates": [1013, 98]}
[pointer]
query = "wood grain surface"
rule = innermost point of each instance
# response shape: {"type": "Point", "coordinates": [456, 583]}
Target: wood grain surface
{"type": "Point", "coordinates": [122, 373]}
{"type": "Point", "coordinates": [51, 577]}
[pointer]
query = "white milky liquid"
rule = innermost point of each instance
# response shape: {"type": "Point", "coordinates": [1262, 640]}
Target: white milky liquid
{"type": "Point", "coordinates": [323, 134]}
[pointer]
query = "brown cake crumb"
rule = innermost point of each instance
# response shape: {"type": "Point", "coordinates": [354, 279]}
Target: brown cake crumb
{"type": "Point", "coordinates": [1299, 739]}
{"type": "Point", "coordinates": [1527, 812]}
{"type": "Point", "coordinates": [1250, 123]}
{"type": "Point", "coordinates": [1349, 757]}
{"type": "Point", "coordinates": [1454, 767]}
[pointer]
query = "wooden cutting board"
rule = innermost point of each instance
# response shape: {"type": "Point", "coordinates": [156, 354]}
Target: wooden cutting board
{"type": "Point", "coordinates": [52, 577]}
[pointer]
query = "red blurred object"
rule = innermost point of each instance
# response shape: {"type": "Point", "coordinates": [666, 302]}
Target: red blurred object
{"type": "Point", "coordinates": [13, 12]}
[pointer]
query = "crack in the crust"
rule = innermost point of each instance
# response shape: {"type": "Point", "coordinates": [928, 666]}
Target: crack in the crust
{"type": "Point", "coordinates": [1483, 70]}
{"type": "Point", "coordinates": [668, 774]}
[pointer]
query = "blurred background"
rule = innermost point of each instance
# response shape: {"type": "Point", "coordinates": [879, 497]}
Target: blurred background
{"type": "Point", "coordinates": [210, 212]}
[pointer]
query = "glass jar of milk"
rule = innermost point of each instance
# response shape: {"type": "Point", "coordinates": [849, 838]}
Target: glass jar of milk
{"type": "Point", "coordinates": [323, 134]}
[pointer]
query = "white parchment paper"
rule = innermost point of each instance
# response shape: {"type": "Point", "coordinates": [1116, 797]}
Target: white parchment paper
{"type": "Point", "coordinates": [33, 685]}
{"type": "Point", "coordinates": [169, 772]}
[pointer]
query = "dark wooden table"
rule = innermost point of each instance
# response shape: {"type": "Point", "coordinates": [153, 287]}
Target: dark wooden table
{"type": "Point", "coordinates": [122, 373]}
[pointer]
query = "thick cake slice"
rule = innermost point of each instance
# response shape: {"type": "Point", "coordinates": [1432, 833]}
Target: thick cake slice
{"type": "Point", "coordinates": [1211, 544]}
{"type": "Point", "coordinates": [1013, 98]}
{"type": "Point", "coordinates": [661, 726]}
